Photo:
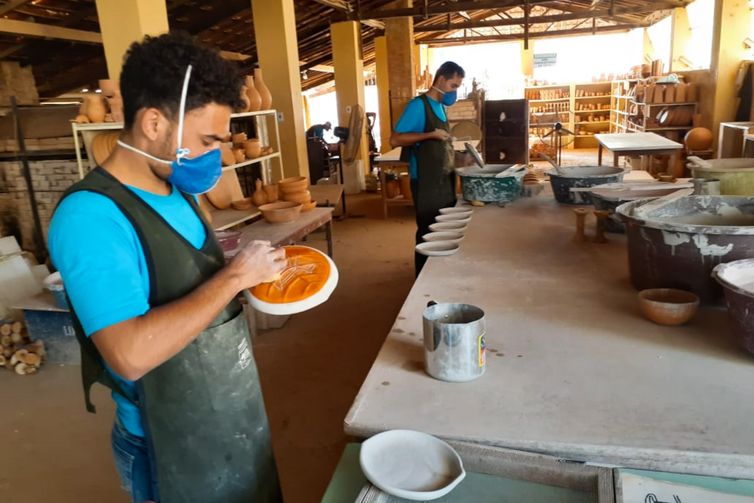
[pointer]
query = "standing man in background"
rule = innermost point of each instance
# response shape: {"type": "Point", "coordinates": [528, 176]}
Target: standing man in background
{"type": "Point", "coordinates": [424, 135]}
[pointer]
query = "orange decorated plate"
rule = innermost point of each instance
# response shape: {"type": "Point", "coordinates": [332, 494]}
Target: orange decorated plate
{"type": "Point", "coordinates": [307, 281]}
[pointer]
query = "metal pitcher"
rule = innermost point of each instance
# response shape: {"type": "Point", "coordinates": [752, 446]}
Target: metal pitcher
{"type": "Point", "coordinates": [454, 346]}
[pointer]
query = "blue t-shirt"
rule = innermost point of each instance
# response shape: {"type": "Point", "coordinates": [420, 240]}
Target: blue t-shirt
{"type": "Point", "coordinates": [99, 255]}
{"type": "Point", "coordinates": [413, 121]}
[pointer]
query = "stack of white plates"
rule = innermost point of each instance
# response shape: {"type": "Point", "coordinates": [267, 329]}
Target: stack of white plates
{"type": "Point", "coordinates": [447, 232]}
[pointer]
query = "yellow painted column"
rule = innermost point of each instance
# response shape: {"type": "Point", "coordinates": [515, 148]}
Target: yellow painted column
{"type": "Point", "coordinates": [680, 37]}
{"type": "Point", "coordinates": [400, 46]}
{"type": "Point", "coordinates": [277, 49]}
{"type": "Point", "coordinates": [731, 27]}
{"type": "Point", "coordinates": [383, 92]}
{"type": "Point", "coordinates": [527, 60]}
{"type": "Point", "coordinates": [349, 77]}
{"type": "Point", "coordinates": [123, 22]}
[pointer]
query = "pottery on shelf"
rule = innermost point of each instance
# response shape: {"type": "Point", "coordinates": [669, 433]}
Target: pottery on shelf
{"type": "Point", "coordinates": [94, 107]}
{"type": "Point", "coordinates": [226, 155]}
{"type": "Point", "coordinates": [252, 148]}
{"type": "Point", "coordinates": [302, 197]}
{"type": "Point", "coordinates": [255, 99]}
{"type": "Point", "coordinates": [263, 90]}
{"type": "Point", "coordinates": [238, 139]}
{"type": "Point", "coordinates": [245, 99]}
{"type": "Point", "coordinates": [239, 155]}
{"type": "Point", "coordinates": [280, 212]}
{"type": "Point", "coordinates": [272, 192]}
{"type": "Point", "coordinates": [293, 184]}
{"type": "Point", "coordinates": [259, 197]}
{"type": "Point", "coordinates": [108, 87]}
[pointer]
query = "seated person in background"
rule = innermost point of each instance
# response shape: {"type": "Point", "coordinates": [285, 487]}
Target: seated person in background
{"type": "Point", "coordinates": [318, 130]}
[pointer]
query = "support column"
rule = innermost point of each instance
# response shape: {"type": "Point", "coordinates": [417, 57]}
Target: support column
{"type": "Point", "coordinates": [349, 77]}
{"type": "Point", "coordinates": [400, 46]}
{"type": "Point", "coordinates": [527, 60]}
{"type": "Point", "coordinates": [680, 37]}
{"type": "Point", "coordinates": [383, 92]}
{"type": "Point", "coordinates": [277, 49]}
{"type": "Point", "coordinates": [731, 27]}
{"type": "Point", "coordinates": [123, 22]}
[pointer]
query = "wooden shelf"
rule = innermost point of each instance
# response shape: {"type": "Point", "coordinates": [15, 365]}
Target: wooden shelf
{"type": "Point", "coordinates": [665, 104]}
{"type": "Point", "coordinates": [241, 115]}
{"type": "Point", "coordinates": [548, 86]}
{"type": "Point", "coordinates": [593, 97]}
{"type": "Point", "coordinates": [550, 100]}
{"type": "Point", "coordinates": [251, 161]}
{"type": "Point", "coordinates": [606, 110]}
{"type": "Point", "coordinates": [592, 122]}
{"type": "Point", "coordinates": [223, 219]}
{"type": "Point", "coordinates": [550, 113]}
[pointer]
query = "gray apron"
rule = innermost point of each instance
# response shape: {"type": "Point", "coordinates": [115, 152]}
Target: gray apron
{"type": "Point", "coordinates": [203, 411]}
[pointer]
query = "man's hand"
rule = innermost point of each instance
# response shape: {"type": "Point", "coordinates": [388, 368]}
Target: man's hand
{"type": "Point", "coordinates": [440, 134]}
{"type": "Point", "coordinates": [256, 263]}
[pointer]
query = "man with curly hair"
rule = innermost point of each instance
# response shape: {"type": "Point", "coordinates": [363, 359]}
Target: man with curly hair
{"type": "Point", "coordinates": [154, 303]}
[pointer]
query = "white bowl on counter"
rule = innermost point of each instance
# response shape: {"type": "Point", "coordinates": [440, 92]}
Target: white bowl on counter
{"type": "Point", "coordinates": [456, 210]}
{"type": "Point", "coordinates": [437, 248]}
{"type": "Point", "coordinates": [449, 236]}
{"type": "Point", "coordinates": [448, 226]}
{"type": "Point", "coordinates": [454, 217]}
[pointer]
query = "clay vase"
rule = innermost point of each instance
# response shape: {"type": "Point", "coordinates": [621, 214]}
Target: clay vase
{"type": "Point", "coordinates": [95, 107]}
{"type": "Point", "coordinates": [109, 87]}
{"type": "Point", "coordinates": [245, 99]}
{"type": "Point", "coordinates": [255, 99]}
{"type": "Point", "coordinates": [239, 155]}
{"type": "Point", "coordinates": [253, 148]}
{"type": "Point", "coordinates": [272, 192]}
{"type": "Point", "coordinates": [259, 197]}
{"type": "Point", "coordinates": [115, 103]}
{"type": "Point", "coordinates": [264, 91]}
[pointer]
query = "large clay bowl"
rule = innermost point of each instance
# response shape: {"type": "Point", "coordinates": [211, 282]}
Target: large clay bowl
{"type": "Point", "coordinates": [302, 197]}
{"type": "Point", "coordinates": [280, 212]}
{"type": "Point", "coordinates": [668, 306]}
{"type": "Point", "coordinates": [293, 184]}
{"type": "Point", "coordinates": [252, 148]}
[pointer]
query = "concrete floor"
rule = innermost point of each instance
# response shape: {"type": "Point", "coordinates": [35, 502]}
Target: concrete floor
{"type": "Point", "coordinates": [311, 369]}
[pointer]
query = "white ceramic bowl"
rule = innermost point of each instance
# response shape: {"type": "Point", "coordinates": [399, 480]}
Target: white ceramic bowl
{"type": "Point", "coordinates": [411, 465]}
{"type": "Point", "coordinates": [456, 209]}
{"type": "Point", "coordinates": [454, 217]}
{"type": "Point", "coordinates": [449, 236]}
{"type": "Point", "coordinates": [437, 248]}
{"type": "Point", "coordinates": [448, 226]}
{"type": "Point", "coordinates": [302, 305]}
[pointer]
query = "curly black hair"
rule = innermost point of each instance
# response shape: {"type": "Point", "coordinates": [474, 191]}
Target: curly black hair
{"type": "Point", "coordinates": [153, 72]}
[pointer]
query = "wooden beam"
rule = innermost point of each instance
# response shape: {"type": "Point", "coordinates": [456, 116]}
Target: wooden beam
{"type": "Point", "coordinates": [554, 18]}
{"type": "Point", "coordinates": [341, 5]}
{"type": "Point", "coordinates": [452, 7]}
{"type": "Point", "coordinates": [28, 29]}
{"type": "Point", "coordinates": [519, 36]}
{"type": "Point", "coordinates": [11, 5]}
{"type": "Point", "coordinates": [234, 56]}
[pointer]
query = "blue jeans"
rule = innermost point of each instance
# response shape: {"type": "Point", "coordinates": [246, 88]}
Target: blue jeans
{"type": "Point", "coordinates": [132, 461]}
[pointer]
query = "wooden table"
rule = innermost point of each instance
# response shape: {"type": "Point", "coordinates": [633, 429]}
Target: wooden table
{"type": "Point", "coordinates": [329, 195]}
{"type": "Point", "coordinates": [638, 145]}
{"type": "Point", "coordinates": [573, 369]}
{"type": "Point", "coordinates": [284, 234]}
{"type": "Point", "coordinates": [391, 160]}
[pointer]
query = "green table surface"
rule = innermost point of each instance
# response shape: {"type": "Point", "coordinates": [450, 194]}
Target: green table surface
{"type": "Point", "coordinates": [348, 481]}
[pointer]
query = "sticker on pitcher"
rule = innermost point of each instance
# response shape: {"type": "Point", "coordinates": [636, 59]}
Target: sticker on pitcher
{"type": "Point", "coordinates": [482, 351]}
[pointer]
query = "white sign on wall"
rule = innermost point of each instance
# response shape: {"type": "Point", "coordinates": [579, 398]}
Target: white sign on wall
{"type": "Point", "coordinates": [545, 59]}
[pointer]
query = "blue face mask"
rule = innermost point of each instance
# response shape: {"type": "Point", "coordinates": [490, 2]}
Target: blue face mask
{"type": "Point", "coordinates": [192, 175]}
{"type": "Point", "coordinates": [449, 98]}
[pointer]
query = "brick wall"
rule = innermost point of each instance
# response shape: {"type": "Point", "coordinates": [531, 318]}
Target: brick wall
{"type": "Point", "coordinates": [49, 178]}
{"type": "Point", "coordinates": [463, 110]}
{"type": "Point", "coordinates": [17, 81]}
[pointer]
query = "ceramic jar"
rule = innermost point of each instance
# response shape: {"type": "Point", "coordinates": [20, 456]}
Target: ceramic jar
{"type": "Point", "coordinates": [264, 91]}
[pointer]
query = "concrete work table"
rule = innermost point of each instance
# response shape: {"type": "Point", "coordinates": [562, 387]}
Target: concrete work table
{"type": "Point", "coordinates": [573, 370]}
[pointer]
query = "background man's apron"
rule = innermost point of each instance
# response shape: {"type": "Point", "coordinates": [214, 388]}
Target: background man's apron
{"type": "Point", "coordinates": [435, 183]}
{"type": "Point", "coordinates": [203, 410]}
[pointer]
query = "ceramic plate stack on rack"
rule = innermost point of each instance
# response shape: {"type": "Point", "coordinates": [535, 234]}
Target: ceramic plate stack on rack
{"type": "Point", "coordinates": [447, 232]}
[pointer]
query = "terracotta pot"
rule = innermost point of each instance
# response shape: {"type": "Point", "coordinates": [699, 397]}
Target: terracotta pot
{"type": "Point", "coordinates": [109, 87]}
{"type": "Point", "coordinates": [293, 184]}
{"type": "Point", "coordinates": [242, 204]}
{"type": "Point", "coordinates": [255, 99]}
{"type": "Point", "coordinates": [227, 156]}
{"type": "Point", "coordinates": [259, 196]}
{"type": "Point", "coordinates": [239, 155]}
{"type": "Point", "coordinates": [267, 150]}
{"type": "Point", "coordinates": [115, 103]}
{"type": "Point", "coordinates": [272, 192]}
{"type": "Point", "coordinates": [309, 206]}
{"type": "Point", "coordinates": [405, 183]}
{"type": "Point", "coordinates": [298, 197]}
{"type": "Point", "coordinates": [245, 99]}
{"type": "Point", "coordinates": [252, 148]}
{"type": "Point", "coordinates": [238, 139]}
{"type": "Point", "coordinates": [95, 107]}
{"type": "Point", "coordinates": [280, 212]}
{"type": "Point", "coordinates": [264, 91]}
